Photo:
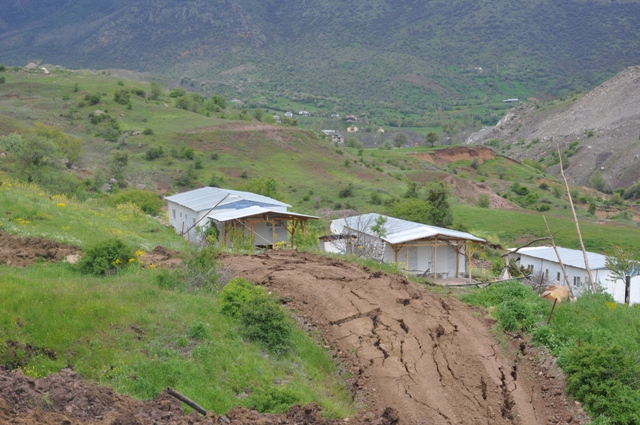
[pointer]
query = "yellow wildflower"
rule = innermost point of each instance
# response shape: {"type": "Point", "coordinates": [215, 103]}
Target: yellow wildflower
{"type": "Point", "coordinates": [61, 205]}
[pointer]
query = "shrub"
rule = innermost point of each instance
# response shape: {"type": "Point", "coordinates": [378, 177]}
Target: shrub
{"type": "Point", "coordinates": [2, 79]}
{"type": "Point", "coordinates": [154, 153]}
{"type": "Point", "coordinates": [484, 201]}
{"type": "Point", "coordinates": [147, 132]}
{"type": "Point", "coordinates": [146, 200]}
{"type": "Point", "coordinates": [265, 322]}
{"type": "Point", "coordinates": [273, 400]}
{"type": "Point", "coordinates": [105, 258]}
{"type": "Point", "coordinates": [262, 319]}
{"type": "Point", "coordinates": [605, 378]}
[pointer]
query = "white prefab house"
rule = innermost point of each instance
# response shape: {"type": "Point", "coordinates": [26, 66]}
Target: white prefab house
{"type": "Point", "coordinates": [543, 259]}
{"type": "Point", "coordinates": [262, 220]}
{"type": "Point", "coordinates": [417, 248]}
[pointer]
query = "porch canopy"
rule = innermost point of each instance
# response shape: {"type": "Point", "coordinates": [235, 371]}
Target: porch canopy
{"type": "Point", "coordinates": [247, 218]}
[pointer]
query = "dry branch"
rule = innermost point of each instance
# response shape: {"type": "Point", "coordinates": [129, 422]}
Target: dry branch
{"type": "Point", "coordinates": [195, 406]}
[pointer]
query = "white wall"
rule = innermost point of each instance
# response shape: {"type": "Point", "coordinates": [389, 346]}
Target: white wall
{"type": "Point", "coordinates": [601, 276]}
{"type": "Point", "coordinates": [182, 218]}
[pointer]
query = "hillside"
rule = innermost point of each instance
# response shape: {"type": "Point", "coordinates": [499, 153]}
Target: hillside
{"type": "Point", "coordinates": [597, 131]}
{"type": "Point", "coordinates": [151, 144]}
{"type": "Point", "coordinates": [415, 56]}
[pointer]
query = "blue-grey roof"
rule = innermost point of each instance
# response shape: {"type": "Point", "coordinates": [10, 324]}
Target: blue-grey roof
{"type": "Point", "coordinates": [207, 197]}
{"type": "Point", "coordinates": [570, 257]}
{"type": "Point", "coordinates": [398, 230]}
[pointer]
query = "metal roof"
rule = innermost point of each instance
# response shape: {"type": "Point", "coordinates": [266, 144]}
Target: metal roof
{"type": "Point", "coordinates": [207, 197]}
{"type": "Point", "coordinates": [570, 257]}
{"type": "Point", "coordinates": [397, 230]}
{"type": "Point", "coordinates": [228, 215]}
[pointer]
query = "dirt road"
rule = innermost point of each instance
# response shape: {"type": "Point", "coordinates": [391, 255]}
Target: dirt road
{"type": "Point", "coordinates": [431, 358]}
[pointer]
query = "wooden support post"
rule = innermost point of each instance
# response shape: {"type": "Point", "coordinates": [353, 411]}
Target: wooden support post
{"type": "Point", "coordinates": [457, 259]}
{"type": "Point", "coordinates": [435, 259]}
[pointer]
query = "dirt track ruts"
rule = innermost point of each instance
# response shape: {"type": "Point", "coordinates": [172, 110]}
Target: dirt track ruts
{"type": "Point", "coordinates": [430, 357]}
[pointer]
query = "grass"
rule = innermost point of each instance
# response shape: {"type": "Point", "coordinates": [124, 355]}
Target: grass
{"type": "Point", "coordinates": [595, 339]}
{"type": "Point", "coordinates": [125, 332]}
{"type": "Point", "coordinates": [29, 211]}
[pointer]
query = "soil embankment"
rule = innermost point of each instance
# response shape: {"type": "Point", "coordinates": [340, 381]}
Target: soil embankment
{"type": "Point", "coordinates": [431, 358]}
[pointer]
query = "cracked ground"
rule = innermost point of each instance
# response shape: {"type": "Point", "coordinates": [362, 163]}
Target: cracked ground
{"type": "Point", "coordinates": [432, 358]}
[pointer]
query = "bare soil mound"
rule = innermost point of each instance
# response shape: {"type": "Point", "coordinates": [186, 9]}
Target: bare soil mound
{"type": "Point", "coordinates": [457, 153]}
{"type": "Point", "coordinates": [430, 358]}
{"type": "Point", "coordinates": [470, 191]}
{"type": "Point", "coordinates": [66, 399]}
{"type": "Point", "coordinates": [162, 257]}
{"type": "Point", "coordinates": [20, 252]}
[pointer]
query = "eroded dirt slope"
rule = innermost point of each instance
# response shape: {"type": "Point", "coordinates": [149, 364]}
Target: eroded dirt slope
{"type": "Point", "coordinates": [431, 358]}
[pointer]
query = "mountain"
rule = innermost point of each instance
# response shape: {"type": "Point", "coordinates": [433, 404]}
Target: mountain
{"type": "Point", "coordinates": [416, 55]}
{"type": "Point", "coordinates": [599, 131]}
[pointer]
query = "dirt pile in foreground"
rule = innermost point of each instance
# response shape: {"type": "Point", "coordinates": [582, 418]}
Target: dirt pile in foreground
{"type": "Point", "coordinates": [430, 358]}
{"type": "Point", "coordinates": [20, 252]}
{"type": "Point", "coordinates": [66, 399]}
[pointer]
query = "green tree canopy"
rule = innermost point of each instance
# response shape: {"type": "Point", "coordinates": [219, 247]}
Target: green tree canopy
{"type": "Point", "coordinates": [266, 186]}
{"type": "Point", "coordinates": [432, 138]}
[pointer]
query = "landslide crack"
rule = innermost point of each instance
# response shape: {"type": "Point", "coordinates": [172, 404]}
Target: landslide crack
{"type": "Point", "coordinates": [372, 313]}
{"type": "Point", "coordinates": [404, 326]}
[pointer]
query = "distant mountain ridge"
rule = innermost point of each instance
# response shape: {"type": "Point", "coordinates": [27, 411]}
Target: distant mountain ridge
{"type": "Point", "coordinates": [599, 131]}
{"type": "Point", "coordinates": [359, 50]}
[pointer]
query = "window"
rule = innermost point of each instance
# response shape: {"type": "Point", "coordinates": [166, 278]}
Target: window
{"type": "Point", "coordinates": [546, 274]}
{"type": "Point", "coordinates": [194, 221]}
{"type": "Point", "coordinates": [558, 277]}
{"type": "Point", "coordinates": [174, 213]}
{"type": "Point", "coordinates": [576, 281]}
{"type": "Point", "coordinates": [180, 214]}
{"type": "Point", "coordinates": [530, 268]}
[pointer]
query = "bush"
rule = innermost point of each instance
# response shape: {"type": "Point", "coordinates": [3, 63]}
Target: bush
{"type": "Point", "coordinates": [262, 319]}
{"type": "Point", "coordinates": [237, 293]}
{"type": "Point", "coordinates": [266, 322]}
{"type": "Point", "coordinates": [273, 400]}
{"type": "Point", "coordinates": [484, 201]}
{"type": "Point", "coordinates": [605, 378]}
{"type": "Point", "coordinates": [146, 200]}
{"type": "Point", "coordinates": [105, 258]}
{"type": "Point", "coordinates": [147, 132]}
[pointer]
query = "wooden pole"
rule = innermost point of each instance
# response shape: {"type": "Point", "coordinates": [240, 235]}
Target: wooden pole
{"type": "Point", "coordinates": [575, 219]}
{"type": "Point", "coordinates": [457, 259]}
{"type": "Point", "coordinates": [555, 301]}
{"type": "Point", "coordinates": [564, 270]}
{"type": "Point", "coordinates": [195, 406]}
{"type": "Point", "coordinates": [435, 258]}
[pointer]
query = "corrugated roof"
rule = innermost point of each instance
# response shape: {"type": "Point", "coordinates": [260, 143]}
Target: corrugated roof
{"type": "Point", "coordinates": [205, 198]}
{"type": "Point", "coordinates": [570, 257]}
{"type": "Point", "coordinates": [228, 215]}
{"type": "Point", "coordinates": [397, 230]}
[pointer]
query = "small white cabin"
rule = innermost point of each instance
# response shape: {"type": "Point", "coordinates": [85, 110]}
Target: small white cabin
{"type": "Point", "coordinates": [262, 220]}
{"type": "Point", "coordinates": [417, 248]}
{"type": "Point", "coordinates": [543, 260]}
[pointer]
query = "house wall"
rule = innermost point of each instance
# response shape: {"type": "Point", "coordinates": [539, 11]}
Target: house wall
{"type": "Point", "coordinates": [553, 272]}
{"type": "Point", "coordinates": [182, 218]}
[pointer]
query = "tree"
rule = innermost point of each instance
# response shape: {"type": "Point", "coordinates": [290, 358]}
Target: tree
{"type": "Point", "coordinates": [412, 209]}
{"type": "Point", "coordinates": [412, 190]}
{"type": "Point", "coordinates": [156, 91]}
{"type": "Point", "coordinates": [68, 146]}
{"type": "Point", "coordinates": [432, 138]}
{"type": "Point", "coordinates": [597, 181]}
{"type": "Point", "coordinates": [379, 228]}
{"type": "Point", "coordinates": [399, 140]}
{"type": "Point", "coordinates": [265, 186]}
{"type": "Point", "coordinates": [441, 214]}
{"type": "Point", "coordinates": [622, 263]}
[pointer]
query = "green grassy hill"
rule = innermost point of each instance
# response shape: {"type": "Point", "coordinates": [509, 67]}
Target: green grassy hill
{"type": "Point", "coordinates": [139, 330]}
{"type": "Point", "coordinates": [153, 144]}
